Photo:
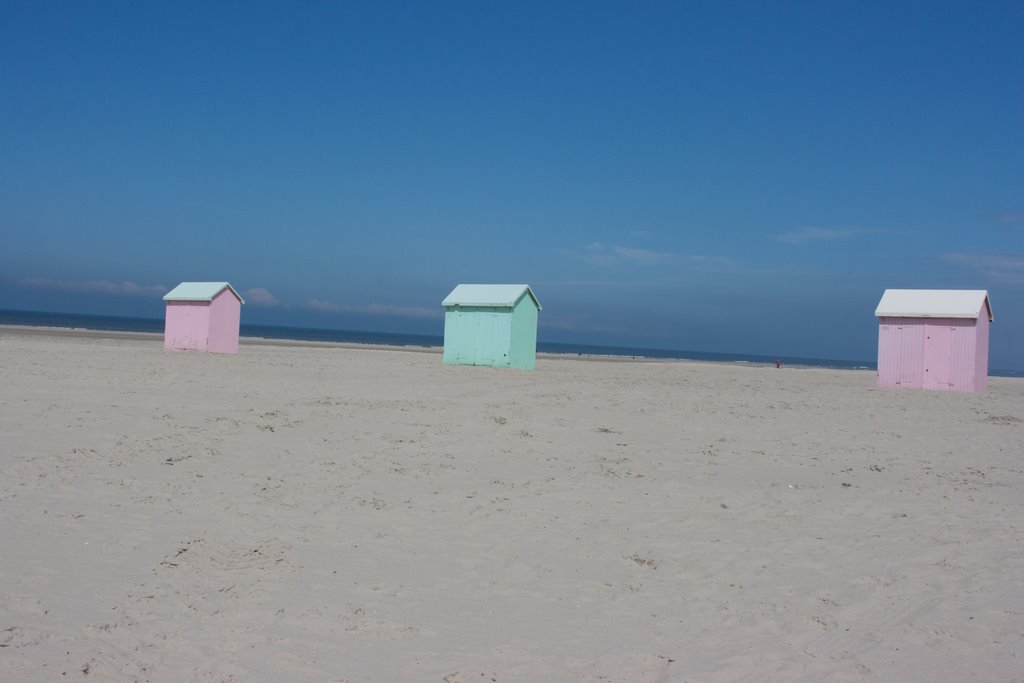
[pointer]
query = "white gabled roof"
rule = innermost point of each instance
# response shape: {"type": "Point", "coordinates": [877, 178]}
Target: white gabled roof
{"type": "Point", "coordinates": [488, 295]}
{"type": "Point", "coordinates": [200, 291]}
{"type": "Point", "coordinates": [933, 303]}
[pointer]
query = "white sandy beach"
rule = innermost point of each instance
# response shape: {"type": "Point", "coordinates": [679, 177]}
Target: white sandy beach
{"type": "Point", "coordinates": [320, 513]}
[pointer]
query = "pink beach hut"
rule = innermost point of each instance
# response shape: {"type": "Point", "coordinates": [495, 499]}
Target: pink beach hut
{"type": "Point", "coordinates": [934, 339]}
{"type": "Point", "coordinates": [203, 316]}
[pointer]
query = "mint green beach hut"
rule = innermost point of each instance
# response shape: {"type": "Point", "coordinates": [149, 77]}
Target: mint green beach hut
{"type": "Point", "coordinates": [492, 325]}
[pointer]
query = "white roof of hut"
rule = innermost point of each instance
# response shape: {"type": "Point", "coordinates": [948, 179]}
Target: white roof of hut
{"type": "Point", "coordinates": [488, 295]}
{"type": "Point", "coordinates": [200, 291]}
{"type": "Point", "coordinates": [933, 303]}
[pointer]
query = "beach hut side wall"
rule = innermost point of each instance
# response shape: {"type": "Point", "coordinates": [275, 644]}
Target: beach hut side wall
{"type": "Point", "coordinates": [981, 331]}
{"type": "Point", "coordinates": [524, 334]}
{"type": "Point", "coordinates": [187, 325]}
{"type": "Point", "coordinates": [225, 313]}
{"type": "Point", "coordinates": [477, 335]}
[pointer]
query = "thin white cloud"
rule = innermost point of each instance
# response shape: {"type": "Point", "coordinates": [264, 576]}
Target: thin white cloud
{"type": "Point", "coordinates": [641, 255]}
{"type": "Point", "coordinates": [125, 288]}
{"type": "Point", "coordinates": [324, 306]}
{"type": "Point", "coordinates": [599, 254]}
{"type": "Point", "coordinates": [819, 234]}
{"type": "Point", "coordinates": [605, 284]}
{"type": "Point", "coordinates": [608, 254]}
{"type": "Point", "coordinates": [374, 309]}
{"type": "Point", "coordinates": [258, 296]}
{"type": "Point", "coordinates": [712, 262]}
{"type": "Point", "coordinates": [1010, 218]}
{"type": "Point", "coordinates": [995, 267]}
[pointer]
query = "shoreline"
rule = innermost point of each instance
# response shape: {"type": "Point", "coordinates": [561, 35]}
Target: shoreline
{"type": "Point", "coordinates": [85, 332]}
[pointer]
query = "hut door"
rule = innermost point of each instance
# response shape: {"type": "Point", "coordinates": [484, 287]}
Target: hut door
{"type": "Point", "coordinates": [486, 327]}
{"type": "Point", "coordinates": [907, 353]}
{"type": "Point", "coordinates": [938, 356]}
{"type": "Point", "coordinates": [181, 325]}
{"type": "Point", "coordinates": [190, 341]}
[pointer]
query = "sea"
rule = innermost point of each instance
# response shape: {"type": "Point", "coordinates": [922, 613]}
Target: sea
{"type": "Point", "coordinates": [126, 324]}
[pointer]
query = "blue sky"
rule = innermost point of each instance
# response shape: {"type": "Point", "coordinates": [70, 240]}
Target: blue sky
{"type": "Point", "coordinates": [735, 177]}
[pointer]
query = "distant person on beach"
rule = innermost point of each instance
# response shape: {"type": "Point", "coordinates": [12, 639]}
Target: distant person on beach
{"type": "Point", "coordinates": [778, 363]}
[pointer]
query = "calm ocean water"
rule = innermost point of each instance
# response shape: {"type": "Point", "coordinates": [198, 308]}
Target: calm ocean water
{"type": "Point", "coordinates": [120, 324]}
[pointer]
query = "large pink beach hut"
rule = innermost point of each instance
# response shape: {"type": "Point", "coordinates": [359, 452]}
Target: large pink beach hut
{"type": "Point", "coordinates": [203, 316]}
{"type": "Point", "coordinates": [934, 339]}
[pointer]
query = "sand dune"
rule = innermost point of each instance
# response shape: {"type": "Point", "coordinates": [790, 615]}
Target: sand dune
{"type": "Point", "coordinates": [334, 514]}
